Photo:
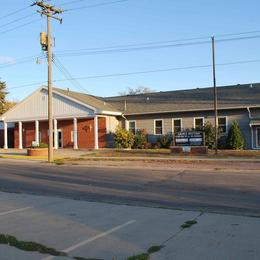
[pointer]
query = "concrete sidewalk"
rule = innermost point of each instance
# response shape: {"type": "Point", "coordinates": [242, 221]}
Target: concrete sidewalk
{"type": "Point", "coordinates": [114, 232]}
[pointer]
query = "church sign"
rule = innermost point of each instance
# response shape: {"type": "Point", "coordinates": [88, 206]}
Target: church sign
{"type": "Point", "coordinates": [189, 138]}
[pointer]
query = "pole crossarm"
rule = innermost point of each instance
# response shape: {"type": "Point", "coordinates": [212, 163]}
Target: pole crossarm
{"type": "Point", "coordinates": [50, 8]}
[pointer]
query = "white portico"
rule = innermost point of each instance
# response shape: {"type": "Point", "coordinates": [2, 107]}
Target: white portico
{"type": "Point", "coordinates": [77, 124]}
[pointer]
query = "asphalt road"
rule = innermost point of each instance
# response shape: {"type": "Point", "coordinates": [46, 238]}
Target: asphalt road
{"type": "Point", "coordinates": [227, 191]}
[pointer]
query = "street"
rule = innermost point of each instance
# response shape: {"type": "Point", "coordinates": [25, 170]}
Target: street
{"type": "Point", "coordinates": [229, 191]}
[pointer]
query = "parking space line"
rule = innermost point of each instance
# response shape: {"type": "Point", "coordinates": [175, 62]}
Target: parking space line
{"type": "Point", "coordinates": [106, 233]}
{"type": "Point", "coordinates": [14, 211]}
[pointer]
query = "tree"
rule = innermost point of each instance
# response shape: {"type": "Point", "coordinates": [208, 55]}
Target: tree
{"type": "Point", "coordinates": [235, 138]}
{"type": "Point", "coordinates": [3, 94]}
{"type": "Point", "coordinates": [136, 91]}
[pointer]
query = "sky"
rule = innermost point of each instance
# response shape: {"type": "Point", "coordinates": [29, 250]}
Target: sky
{"type": "Point", "coordinates": [131, 22]}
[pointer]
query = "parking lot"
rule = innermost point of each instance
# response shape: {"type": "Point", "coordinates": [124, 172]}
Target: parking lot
{"type": "Point", "coordinates": [113, 232]}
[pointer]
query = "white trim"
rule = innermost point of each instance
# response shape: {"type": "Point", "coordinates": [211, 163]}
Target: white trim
{"type": "Point", "coordinates": [174, 125]}
{"type": "Point", "coordinates": [154, 126]}
{"type": "Point", "coordinates": [199, 117]}
{"type": "Point", "coordinates": [256, 141]}
{"type": "Point", "coordinates": [227, 125]}
{"type": "Point", "coordinates": [111, 113]}
{"type": "Point", "coordinates": [132, 121]}
{"type": "Point", "coordinates": [46, 119]}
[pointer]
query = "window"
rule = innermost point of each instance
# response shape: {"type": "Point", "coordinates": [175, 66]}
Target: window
{"type": "Point", "coordinates": [132, 126]}
{"type": "Point", "coordinates": [177, 125]}
{"type": "Point", "coordinates": [198, 123]}
{"type": "Point", "coordinates": [158, 127]}
{"type": "Point", "coordinates": [222, 125]}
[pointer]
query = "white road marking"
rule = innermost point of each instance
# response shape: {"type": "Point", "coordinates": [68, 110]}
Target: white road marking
{"type": "Point", "coordinates": [69, 249]}
{"type": "Point", "coordinates": [14, 211]}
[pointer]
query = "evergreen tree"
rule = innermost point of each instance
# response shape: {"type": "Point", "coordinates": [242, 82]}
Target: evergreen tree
{"type": "Point", "coordinates": [235, 138]}
{"type": "Point", "coordinates": [3, 94]}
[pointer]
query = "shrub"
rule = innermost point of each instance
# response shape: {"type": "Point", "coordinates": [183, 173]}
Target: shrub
{"type": "Point", "coordinates": [40, 145]}
{"type": "Point", "coordinates": [209, 130]}
{"type": "Point", "coordinates": [123, 138]}
{"type": "Point", "coordinates": [235, 138]}
{"type": "Point", "coordinates": [140, 139]}
{"type": "Point", "coordinates": [166, 140]}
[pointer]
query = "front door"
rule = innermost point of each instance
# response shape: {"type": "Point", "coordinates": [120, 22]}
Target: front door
{"type": "Point", "coordinates": [60, 138]}
{"type": "Point", "coordinates": [60, 141]}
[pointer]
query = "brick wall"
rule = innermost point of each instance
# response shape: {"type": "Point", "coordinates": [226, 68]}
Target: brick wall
{"type": "Point", "coordinates": [85, 133]}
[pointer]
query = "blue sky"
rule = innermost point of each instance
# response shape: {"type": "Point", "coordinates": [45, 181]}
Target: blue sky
{"type": "Point", "coordinates": [133, 22]}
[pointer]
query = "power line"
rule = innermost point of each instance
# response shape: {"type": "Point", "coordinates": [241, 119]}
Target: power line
{"type": "Point", "coordinates": [17, 20]}
{"type": "Point", "coordinates": [142, 48]}
{"type": "Point", "coordinates": [72, 2]}
{"type": "Point", "coordinates": [14, 12]}
{"type": "Point", "coordinates": [141, 72]}
{"type": "Point", "coordinates": [67, 74]}
{"type": "Point", "coordinates": [96, 5]}
{"type": "Point", "coordinates": [20, 26]}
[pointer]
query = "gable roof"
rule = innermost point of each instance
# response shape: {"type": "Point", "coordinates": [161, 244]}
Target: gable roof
{"type": "Point", "coordinates": [235, 96]}
{"type": "Point", "coordinates": [94, 101]}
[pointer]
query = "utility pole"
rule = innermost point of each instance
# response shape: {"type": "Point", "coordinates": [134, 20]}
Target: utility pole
{"type": "Point", "coordinates": [50, 12]}
{"type": "Point", "coordinates": [215, 95]}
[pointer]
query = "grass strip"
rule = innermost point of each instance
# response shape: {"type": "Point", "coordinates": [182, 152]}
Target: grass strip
{"type": "Point", "coordinates": [146, 256]}
{"type": "Point", "coordinates": [189, 223]}
{"type": "Point", "coordinates": [29, 246]}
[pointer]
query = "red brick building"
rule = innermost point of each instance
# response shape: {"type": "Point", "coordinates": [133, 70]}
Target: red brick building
{"type": "Point", "coordinates": [80, 121]}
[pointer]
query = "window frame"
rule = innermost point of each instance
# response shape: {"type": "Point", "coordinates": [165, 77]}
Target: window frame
{"type": "Point", "coordinates": [173, 125]}
{"type": "Point", "coordinates": [226, 132]}
{"type": "Point", "coordinates": [194, 121]}
{"type": "Point", "coordinates": [132, 121]}
{"type": "Point", "coordinates": [256, 133]}
{"type": "Point", "coordinates": [154, 126]}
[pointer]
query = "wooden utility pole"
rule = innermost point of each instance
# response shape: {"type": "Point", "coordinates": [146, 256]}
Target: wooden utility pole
{"type": "Point", "coordinates": [215, 95]}
{"type": "Point", "coordinates": [50, 12]}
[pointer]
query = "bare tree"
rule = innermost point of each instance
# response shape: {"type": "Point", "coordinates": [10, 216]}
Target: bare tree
{"type": "Point", "coordinates": [136, 91]}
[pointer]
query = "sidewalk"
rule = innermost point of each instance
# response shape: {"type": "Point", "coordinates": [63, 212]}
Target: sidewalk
{"type": "Point", "coordinates": [106, 231]}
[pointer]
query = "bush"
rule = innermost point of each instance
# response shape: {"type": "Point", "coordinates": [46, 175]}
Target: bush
{"type": "Point", "coordinates": [123, 138]}
{"type": "Point", "coordinates": [140, 139]}
{"type": "Point", "coordinates": [235, 138]}
{"type": "Point", "coordinates": [209, 131]}
{"type": "Point", "coordinates": [166, 141]}
{"type": "Point", "coordinates": [40, 145]}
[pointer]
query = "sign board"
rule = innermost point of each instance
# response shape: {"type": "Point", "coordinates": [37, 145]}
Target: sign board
{"type": "Point", "coordinates": [189, 138]}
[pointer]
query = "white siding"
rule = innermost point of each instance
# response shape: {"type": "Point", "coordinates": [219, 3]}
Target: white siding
{"type": "Point", "coordinates": [36, 107]}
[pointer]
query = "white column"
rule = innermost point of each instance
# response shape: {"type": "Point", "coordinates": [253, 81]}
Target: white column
{"type": "Point", "coordinates": [75, 133]}
{"type": "Point", "coordinates": [55, 124]}
{"type": "Point", "coordinates": [126, 124]}
{"type": "Point", "coordinates": [96, 132]}
{"type": "Point", "coordinates": [20, 135]}
{"type": "Point", "coordinates": [37, 139]}
{"type": "Point", "coordinates": [5, 136]}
